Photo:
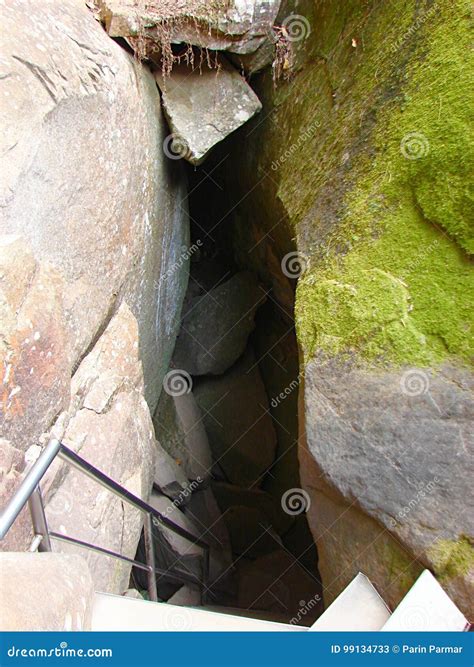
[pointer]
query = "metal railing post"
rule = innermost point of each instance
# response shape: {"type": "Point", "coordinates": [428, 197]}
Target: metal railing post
{"type": "Point", "coordinates": [150, 557]}
{"type": "Point", "coordinates": [38, 519]}
{"type": "Point", "coordinates": [27, 486]}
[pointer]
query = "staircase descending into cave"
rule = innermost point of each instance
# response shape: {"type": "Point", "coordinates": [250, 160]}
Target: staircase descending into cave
{"type": "Point", "coordinates": [426, 607]}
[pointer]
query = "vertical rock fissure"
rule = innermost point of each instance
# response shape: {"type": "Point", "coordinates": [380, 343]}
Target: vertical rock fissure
{"type": "Point", "coordinates": [228, 418]}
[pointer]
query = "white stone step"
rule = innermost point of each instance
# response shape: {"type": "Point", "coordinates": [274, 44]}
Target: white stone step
{"type": "Point", "coordinates": [118, 613]}
{"type": "Point", "coordinates": [358, 608]}
{"type": "Point", "coordinates": [426, 608]}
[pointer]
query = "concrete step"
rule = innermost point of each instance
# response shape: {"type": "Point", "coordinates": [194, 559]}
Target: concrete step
{"type": "Point", "coordinates": [358, 608]}
{"type": "Point", "coordinates": [426, 608]}
{"type": "Point", "coordinates": [118, 613]}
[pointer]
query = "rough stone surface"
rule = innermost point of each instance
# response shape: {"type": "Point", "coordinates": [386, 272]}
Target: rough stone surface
{"type": "Point", "coordinates": [179, 428]}
{"type": "Point", "coordinates": [203, 105]}
{"type": "Point", "coordinates": [92, 218]}
{"type": "Point", "coordinates": [109, 425]}
{"type": "Point", "coordinates": [216, 24]}
{"type": "Point", "coordinates": [33, 345]}
{"type": "Point", "coordinates": [79, 114]}
{"type": "Point", "coordinates": [216, 326]}
{"type": "Point", "coordinates": [244, 448]}
{"type": "Point", "coordinates": [365, 173]}
{"type": "Point", "coordinates": [28, 579]}
{"type": "Point", "coordinates": [397, 449]}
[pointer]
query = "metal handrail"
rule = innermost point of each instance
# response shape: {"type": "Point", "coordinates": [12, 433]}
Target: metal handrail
{"type": "Point", "coordinates": [29, 492]}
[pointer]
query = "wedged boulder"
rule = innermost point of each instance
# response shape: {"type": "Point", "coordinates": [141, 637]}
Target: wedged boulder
{"type": "Point", "coordinates": [243, 442]}
{"type": "Point", "coordinates": [79, 114]}
{"type": "Point", "coordinates": [179, 428]}
{"type": "Point", "coordinates": [108, 423]}
{"type": "Point", "coordinates": [216, 326]}
{"type": "Point", "coordinates": [241, 27]}
{"type": "Point", "coordinates": [277, 583]}
{"type": "Point", "coordinates": [203, 105]}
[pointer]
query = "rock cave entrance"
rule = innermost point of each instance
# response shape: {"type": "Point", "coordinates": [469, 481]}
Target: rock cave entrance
{"type": "Point", "coordinates": [230, 423]}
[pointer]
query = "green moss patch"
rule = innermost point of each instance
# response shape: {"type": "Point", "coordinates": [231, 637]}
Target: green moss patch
{"type": "Point", "coordinates": [395, 282]}
{"type": "Point", "coordinates": [452, 558]}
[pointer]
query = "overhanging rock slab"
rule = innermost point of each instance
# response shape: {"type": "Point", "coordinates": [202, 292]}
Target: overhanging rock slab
{"type": "Point", "coordinates": [223, 25]}
{"type": "Point", "coordinates": [203, 105]}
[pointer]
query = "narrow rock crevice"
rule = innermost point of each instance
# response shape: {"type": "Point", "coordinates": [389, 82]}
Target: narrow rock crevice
{"type": "Point", "coordinates": [232, 423]}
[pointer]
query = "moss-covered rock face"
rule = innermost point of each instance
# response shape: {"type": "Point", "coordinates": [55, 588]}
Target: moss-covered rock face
{"type": "Point", "coordinates": [361, 159]}
{"type": "Point", "coordinates": [408, 209]}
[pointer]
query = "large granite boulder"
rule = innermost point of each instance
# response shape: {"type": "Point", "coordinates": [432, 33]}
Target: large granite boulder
{"type": "Point", "coordinates": [93, 224]}
{"type": "Point", "coordinates": [84, 178]}
{"type": "Point", "coordinates": [370, 178]}
{"type": "Point", "coordinates": [243, 442]}
{"type": "Point", "coordinates": [216, 326]}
